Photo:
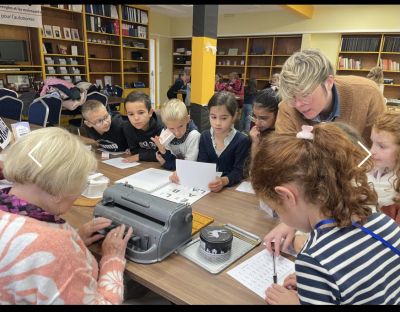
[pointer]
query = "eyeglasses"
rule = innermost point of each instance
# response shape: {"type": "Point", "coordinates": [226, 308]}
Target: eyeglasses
{"type": "Point", "coordinates": [261, 119]}
{"type": "Point", "coordinates": [100, 122]}
{"type": "Point", "coordinates": [306, 99]}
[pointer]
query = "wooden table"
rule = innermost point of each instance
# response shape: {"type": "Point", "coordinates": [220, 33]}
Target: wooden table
{"type": "Point", "coordinates": [177, 278]}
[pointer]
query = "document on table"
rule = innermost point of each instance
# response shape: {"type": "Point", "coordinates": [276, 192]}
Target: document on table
{"type": "Point", "coordinates": [256, 273]}
{"type": "Point", "coordinates": [245, 187]}
{"type": "Point", "coordinates": [117, 162]}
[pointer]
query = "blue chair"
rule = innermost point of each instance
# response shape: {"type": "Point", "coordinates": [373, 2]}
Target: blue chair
{"type": "Point", "coordinates": [11, 107]}
{"type": "Point", "coordinates": [55, 105]}
{"type": "Point", "coordinates": [5, 91]}
{"type": "Point", "coordinates": [38, 113]}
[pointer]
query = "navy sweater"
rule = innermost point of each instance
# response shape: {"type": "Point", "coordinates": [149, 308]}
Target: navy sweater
{"type": "Point", "coordinates": [139, 141]}
{"type": "Point", "coordinates": [231, 161]}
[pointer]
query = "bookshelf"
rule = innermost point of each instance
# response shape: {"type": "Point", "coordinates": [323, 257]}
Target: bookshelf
{"type": "Point", "coordinates": [358, 53]}
{"type": "Point", "coordinates": [63, 51]}
{"type": "Point", "coordinates": [135, 48]}
{"type": "Point", "coordinates": [181, 56]}
{"type": "Point", "coordinates": [251, 57]}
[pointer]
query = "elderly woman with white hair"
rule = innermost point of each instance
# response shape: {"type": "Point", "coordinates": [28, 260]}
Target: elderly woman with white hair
{"type": "Point", "coordinates": [43, 260]}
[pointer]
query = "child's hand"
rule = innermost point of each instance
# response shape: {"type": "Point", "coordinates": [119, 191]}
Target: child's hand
{"type": "Point", "coordinates": [157, 142]}
{"type": "Point", "coordinates": [131, 159]}
{"type": "Point", "coordinates": [254, 135]}
{"type": "Point", "coordinates": [290, 282]}
{"type": "Point", "coordinates": [277, 294]}
{"type": "Point", "coordinates": [281, 231]}
{"type": "Point", "coordinates": [218, 184]}
{"type": "Point", "coordinates": [160, 159]}
{"type": "Point", "coordinates": [174, 177]}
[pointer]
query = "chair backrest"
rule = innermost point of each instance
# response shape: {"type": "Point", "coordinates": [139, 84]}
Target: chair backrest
{"type": "Point", "coordinates": [55, 105]}
{"type": "Point", "coordinates": [97, 96]}
{"type": "Point", "coordinates": [5, 91]}
{"type": "Point", "coordinates": [11, 107]}
{"type": "Point", "coordinates": [38, 113]}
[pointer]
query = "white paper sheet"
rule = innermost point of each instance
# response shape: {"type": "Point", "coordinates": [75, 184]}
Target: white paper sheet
{"type": "Point", "coordinates": [195, 174]}
{"type": "Point", "coordinates": [245, 187]}
{"type": "Point", "coordinates": [147, 180]}
{"type": "Point", "coordinates": [180, 194]}
{"type": "Point", "coordinates": [256, 273]}
{"type": "Point", "coordinates": [117, 162]}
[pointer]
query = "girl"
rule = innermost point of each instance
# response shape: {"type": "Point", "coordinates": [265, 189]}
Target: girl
{"type": "Point", "coordinates": [385, 137]}
{"type": "Point", "coordinates": [265, 109]}
{"type": "Point", "coordinates": [314, 184]}
{"type": "Point", "coordinates": [249, 93]}
{"type": "Point", "coordinates": [222, 144]}
{"type": "Point", "coordinates": [220, 85]}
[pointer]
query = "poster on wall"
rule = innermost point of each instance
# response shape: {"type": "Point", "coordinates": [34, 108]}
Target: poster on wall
{"type": "Point", "coordinates": [21, 15]}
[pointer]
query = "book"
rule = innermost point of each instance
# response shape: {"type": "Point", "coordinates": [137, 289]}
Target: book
{"type": "Point", "coordinates": [5, 134]}
{"type": "Point", "coordinates": [57, 32]}
{"type": "Point", "coordinates": [19, 129]}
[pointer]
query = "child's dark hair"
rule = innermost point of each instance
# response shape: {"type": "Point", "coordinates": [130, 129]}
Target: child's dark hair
{"type": "Point", "coordinates": [251, 88]}
{"type": "Point", "coordinates": [268, 99]}
{"type": "Point", "coordinates": [224, 98]}
{"type": "Point", "coordinates": [138, 97]}
{"type": "Point", "coordinates": [325, 168]}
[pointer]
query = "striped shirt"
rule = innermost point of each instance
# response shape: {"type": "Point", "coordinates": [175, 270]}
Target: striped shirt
{"type": "Point", "coordinates": [348, 266]}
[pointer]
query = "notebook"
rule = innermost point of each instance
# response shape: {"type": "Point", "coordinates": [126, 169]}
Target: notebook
{"type": "Point", "coordinates": [148, 180]}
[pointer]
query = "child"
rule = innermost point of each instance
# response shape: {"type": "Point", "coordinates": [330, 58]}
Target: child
{"type": "Point", "coordinates": [385, 137]}
{"type": "Point", "coordinates": [234, 84]}
{"type": "Point", "coordinates": [309, 180]}
{"type": "Point", "coordinates": [249, 93]}
{"type": "Point", "coordinates": [100, 126]}
{"type": "Point", "coordinates": [222, 144]}
{"type": "Point", "coordinates": [179, 84]}
{"type": "Point", "coordinates": [265, 109]}
{"type": "Point", "coordinates": [185, 145]}
{"type": "Point", "coordinates": [220, 85]}
{"type": "Point", "coordinates": [142, 126]}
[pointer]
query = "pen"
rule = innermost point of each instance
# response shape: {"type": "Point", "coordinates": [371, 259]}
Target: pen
{"type": "Point", "coordinates": [275, 276]}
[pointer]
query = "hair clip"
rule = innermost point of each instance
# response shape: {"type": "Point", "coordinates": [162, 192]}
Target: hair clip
{"type": "Point", "coordinates": [305, 133]}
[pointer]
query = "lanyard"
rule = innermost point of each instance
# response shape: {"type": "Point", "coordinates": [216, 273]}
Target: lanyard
{"type": "Point", "coordinates": [376, 236]}
{"type": "Point", "coordinates": [365, 230]}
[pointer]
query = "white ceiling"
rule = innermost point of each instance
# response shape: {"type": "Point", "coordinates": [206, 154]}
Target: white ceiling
{"type": "Point", "coordinates": [185, 10]}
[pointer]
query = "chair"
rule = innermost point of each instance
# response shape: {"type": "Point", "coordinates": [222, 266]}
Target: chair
{"type": "Point", "coordinates": [38, 113]}
{"type": "Point", "coordinates": [5, 91]}
{"type": "Point", "coordinates": [97, 96]}
{"type": "Point", "coordinates": [11, 107]}
{"type": "Point", "coordinates": [54, 104]}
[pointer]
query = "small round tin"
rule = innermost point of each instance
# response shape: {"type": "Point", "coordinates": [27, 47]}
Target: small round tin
{"type": "Point", "coordinates": [215, 240]}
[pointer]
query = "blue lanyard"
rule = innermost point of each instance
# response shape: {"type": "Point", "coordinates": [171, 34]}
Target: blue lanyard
{"type": "Point", "coordinates": [325, 221]}
{"type": "Point", "coordinates": [376, 236]}
{"type": "Point", "coordinates": [365, 230]}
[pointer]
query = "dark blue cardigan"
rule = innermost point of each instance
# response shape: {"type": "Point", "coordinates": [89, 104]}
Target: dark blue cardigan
{"type": "Point", "coordinates": [232, 159]}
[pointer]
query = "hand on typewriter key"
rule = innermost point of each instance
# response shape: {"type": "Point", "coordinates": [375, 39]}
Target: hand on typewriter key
{"type": "Point", "coordinates": [115, 242]}
{"type": "Point", "coordinates": [88, 231]}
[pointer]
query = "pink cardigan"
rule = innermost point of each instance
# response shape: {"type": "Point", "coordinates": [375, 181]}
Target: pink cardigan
{"type": "Point", "coordinates": [48, 263]}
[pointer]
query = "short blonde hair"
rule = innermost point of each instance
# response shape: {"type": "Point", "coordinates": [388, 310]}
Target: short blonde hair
{"type": "Point", "coordinates": [303, 72]}
{"type": "Point", "coordinates": [65, 162]}
{"type": "Point", "coordinates": [173, 109]}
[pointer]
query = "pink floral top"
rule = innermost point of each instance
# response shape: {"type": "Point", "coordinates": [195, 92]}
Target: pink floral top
{"type": "Point", "coordinates": [46, 262]}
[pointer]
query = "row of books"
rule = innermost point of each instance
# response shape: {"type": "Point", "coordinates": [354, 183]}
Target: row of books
{"type": "Point", "coordinates": [134, 15]}
{"type": "Point", "coordinates": [388, 64]}
{"type": "Point", "coordinates": [63, 70]}
{"type": "Point", "coordinates": [96, 24]}
{"type": "Point", "coordinates": [108, 10]}
{"type": "Point", "coordinates": [134, 31]}
{"type": "Point", "coordinates": [392, 44]}
{"type": "Point", "coordinates": [365, 44]}
{"type": "Point", "coordinates": [349, 63]}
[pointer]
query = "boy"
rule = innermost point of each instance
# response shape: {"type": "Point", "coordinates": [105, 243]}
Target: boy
{"type": "Point", "coordinates": [100, 126]}
{"type": "Point", "coordinates": [142, 126]}
{"type": "Point", "coordinates": [185, 144]}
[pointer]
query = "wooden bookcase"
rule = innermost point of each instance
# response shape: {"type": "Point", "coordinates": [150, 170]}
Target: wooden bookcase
{"type": "Point", "coordinates": [181, 56]}
{"type": "Point", "coordinates": [135, 48]}
{"type": "Point", "coordinates": [358, 53]}
{"type": "Point", "coordinates": [251, 57]}
{"type": "Point", "coordinates": [63, 54]}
